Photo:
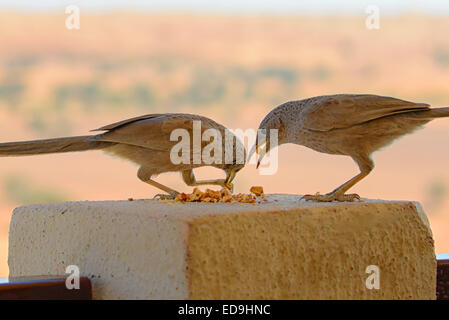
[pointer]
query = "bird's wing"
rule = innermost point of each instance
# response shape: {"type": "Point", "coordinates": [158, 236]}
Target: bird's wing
{"type": "Point", "coordinates": [127, 121]}
{"type": "Point", "coordinates": [342, 111]}
{"type": "Point", "coordinates": [152, 131]}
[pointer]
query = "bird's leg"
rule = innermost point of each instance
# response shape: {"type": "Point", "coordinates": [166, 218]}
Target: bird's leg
{"type": "Point", "coordinates": [145, 176]}
{"type": "Point", "coordinates": [339, 193]}
{"type": "Point", "coordinates": [365, 164]}
{"type": "Point", "coordinates": [189, 178]}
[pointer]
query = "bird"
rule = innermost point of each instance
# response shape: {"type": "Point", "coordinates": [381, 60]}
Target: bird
{"type": "Point", "coordinates": [354, 125]}
{"type": "Point", "coordinates": [146, 140]}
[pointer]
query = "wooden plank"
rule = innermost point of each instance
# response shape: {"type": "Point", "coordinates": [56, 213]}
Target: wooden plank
{"type": "Point", "coordinates": [43, 288]}
{"type": "Point", "coordinates": [443, 279]}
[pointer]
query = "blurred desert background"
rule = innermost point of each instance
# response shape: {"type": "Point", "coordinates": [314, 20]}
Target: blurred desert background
{"type": "Point", "coordinates": [232, 68]}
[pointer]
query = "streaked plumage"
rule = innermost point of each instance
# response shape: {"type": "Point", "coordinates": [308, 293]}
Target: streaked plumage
{"type": "Point", "coordinates": [355, 125]}
{"type": "Point", "coordinates": [144, 140]}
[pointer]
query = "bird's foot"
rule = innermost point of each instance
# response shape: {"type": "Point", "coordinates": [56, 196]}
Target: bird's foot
{"type": "Point", "coordinates": [329, 197]}
{"type": "Point", "coordinates": [164, 196]}
{"type": "Point", "coordinates": [222, 183]}
{"type": "Point", "coordinates": [229, 186]}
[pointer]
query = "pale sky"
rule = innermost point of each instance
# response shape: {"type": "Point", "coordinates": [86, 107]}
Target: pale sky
{"type": "Point", "coordinates": [238, 6]}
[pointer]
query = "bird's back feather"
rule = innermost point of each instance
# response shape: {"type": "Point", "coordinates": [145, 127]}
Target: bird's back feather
{"type": "Point", "coordinates": [342, 111]}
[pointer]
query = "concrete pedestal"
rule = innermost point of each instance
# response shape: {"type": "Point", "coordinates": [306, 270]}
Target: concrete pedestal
{"type": "Point", "coordinates": [281, 249]}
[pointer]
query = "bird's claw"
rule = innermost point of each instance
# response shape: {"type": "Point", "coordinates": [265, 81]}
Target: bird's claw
{"type": "Point", "coordinates": [164, 196]}
{"type": "Point", "coordinates": [331, 197]}
{"type": "Point", "coordinates": [229, 186]}
{"type": "Point", "coordinates": [225, 185]}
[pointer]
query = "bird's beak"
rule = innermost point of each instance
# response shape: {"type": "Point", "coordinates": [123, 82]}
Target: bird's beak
{"type": "Point", "coordinates": [257, 149]}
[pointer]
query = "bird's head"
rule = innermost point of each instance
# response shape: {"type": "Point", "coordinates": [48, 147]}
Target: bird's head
{"type": "Point", "coordinates": [265, 135]}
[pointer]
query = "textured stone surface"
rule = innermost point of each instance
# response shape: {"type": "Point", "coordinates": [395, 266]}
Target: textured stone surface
{"type": "Point", "coordinates": [282, 249]}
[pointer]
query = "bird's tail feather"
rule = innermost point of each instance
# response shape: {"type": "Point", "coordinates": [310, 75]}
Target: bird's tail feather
{"type": "Point", "coordinates": [58, 145]}
{"type": "Point", "coordinates": [432, 113]}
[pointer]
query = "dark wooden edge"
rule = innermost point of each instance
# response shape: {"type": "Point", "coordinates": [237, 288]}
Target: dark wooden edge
{"type": "Point", "coordinates": [44, 288]}
{"type": "Point", "coordinates": [443, 279]}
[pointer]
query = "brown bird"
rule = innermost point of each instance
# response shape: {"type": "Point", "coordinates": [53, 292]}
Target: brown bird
{"type": "Point", "coordinates": [354, 125]}
{"type": "Point", "coordinates": [145, 140]}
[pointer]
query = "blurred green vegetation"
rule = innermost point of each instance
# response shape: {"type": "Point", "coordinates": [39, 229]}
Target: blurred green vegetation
{"type": "Point", "coordinates": [22, 61]}
{"type": "Point", "coordinates": [320, 73]}
{"type": "Point", "coordinates": [20, 190]}
{"type": "Point", "coordinates": [206, 83]}
{"type": "Point", "coordinates": [441, 57]}
{"type": "Point", "coordinates": [147, 84]}
{"type": "Point", "coordinates": [435, 194]}
{"type": "Point", "coordinates": [206, 86]}
{"type": "Point", "coordinates": [11, 92]}
{"type": "Point", "coordinates": [49, 124]}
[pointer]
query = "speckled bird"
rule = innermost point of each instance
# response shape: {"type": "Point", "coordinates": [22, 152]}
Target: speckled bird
{"type": "Point", "coordinates": [354, 125]}
{"type": "Point", "coordinates": [146, 141]}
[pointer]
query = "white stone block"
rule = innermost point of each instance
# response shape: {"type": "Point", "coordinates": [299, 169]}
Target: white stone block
{"type": "Point", "coordinates": [283, 249]}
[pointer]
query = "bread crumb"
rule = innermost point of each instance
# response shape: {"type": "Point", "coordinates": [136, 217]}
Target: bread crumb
{"type": "Point", "coordinates": [211, 196]}
{"type": "Point", "coordinates": [257, 191]}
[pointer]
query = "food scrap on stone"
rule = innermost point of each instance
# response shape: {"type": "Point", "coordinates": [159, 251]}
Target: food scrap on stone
{"type": "Point", "coordinates": [257, 191]}
{"type": "Point", "coordinates": [215, 196]}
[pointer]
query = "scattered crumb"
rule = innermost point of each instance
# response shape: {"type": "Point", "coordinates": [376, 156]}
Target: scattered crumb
{"type": "Point", "coordinates": [211, 196]}
{"type": "Point", "coordinates": [130, 199]}
{"type": "Point", "coordinates": [257, 191]}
